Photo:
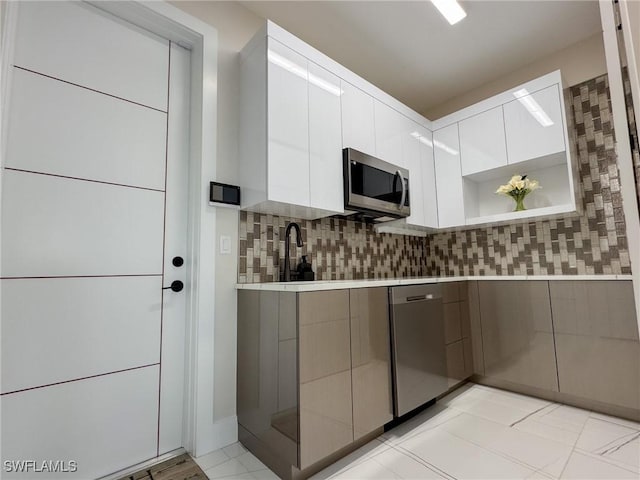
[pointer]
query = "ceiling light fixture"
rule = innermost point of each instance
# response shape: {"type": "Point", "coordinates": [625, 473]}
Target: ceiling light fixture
{"type": "Point", "coordinates": [301, 72]}
{"type": "Point", "coordinates": [450, 9]}
{"type": "Point", "coordinates": [533, 107]}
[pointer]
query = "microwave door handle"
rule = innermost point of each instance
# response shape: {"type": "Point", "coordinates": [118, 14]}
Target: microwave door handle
{"type": "Point", "coordinates": [404, 190]}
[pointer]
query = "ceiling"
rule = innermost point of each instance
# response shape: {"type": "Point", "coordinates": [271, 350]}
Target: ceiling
{"type": "Point", "coordinates": [407, 48]}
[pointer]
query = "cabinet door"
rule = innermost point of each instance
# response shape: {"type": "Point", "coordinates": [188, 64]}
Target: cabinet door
{"type": "Point", "coordinates": [430, 209]}
{"type": "Point", "coordinates": [482, 141]}
{"type": "Point", "coordinates": [517, 334]}
{"type": "Point", "coordinates": [413, 162]}
{"type": "Point", "coordinates": [534, 124]}
{"type": "Point", "coordinates": [288, 125]}
{"type": "Point", "coordinates": [448, 177]}
{"type": "Point", "coordinates": [370, 360]}
{"type": "Point", "coordinates": [326, 415]}
{"type": "Point", "coordinates": [325, 140]}
{"type": "Point", "coordinates": [456, 371]}
{"type": "Point", "coordinates": [390, 128]}
{"type": "Point", "coordinates": [358, 129]}
{"type": "Point", "coordinates": [596, 336]}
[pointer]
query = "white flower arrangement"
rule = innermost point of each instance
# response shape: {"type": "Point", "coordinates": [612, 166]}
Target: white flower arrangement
{"type": "Point", "coordinates": [518, 187]}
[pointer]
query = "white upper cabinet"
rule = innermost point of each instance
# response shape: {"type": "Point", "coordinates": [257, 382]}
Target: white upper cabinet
{"type": "Point", "coordinates": [411, 161]}
{"type": "Point", "coordinates": [482, 141]}
{"type": "Point", "coordinates": [390, 130]}
{"type": "Point", "coordinates": [299, 109]}
{"type": "Point", "coordinates": [358, 128]}
{"type": "Point", "coordinates": [428, 184]}
{"type": "Point", "coordinates": [325, 139]}
{"type": "Point", "coordinates": [291, 133]}
{"type": "Point", "coordinates": [534, 124]}
{"type": "Point", "coordinates": [448, 177]}
{"type": "Point", "coordinates": [287, 125]}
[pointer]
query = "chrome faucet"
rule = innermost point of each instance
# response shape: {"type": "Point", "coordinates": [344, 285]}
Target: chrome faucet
{"type": "Point", "coordinates": [287, 241]}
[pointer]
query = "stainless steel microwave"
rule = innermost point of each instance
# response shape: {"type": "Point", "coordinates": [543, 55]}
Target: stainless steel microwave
{"type": "Point", "coordinates": [374, 187]}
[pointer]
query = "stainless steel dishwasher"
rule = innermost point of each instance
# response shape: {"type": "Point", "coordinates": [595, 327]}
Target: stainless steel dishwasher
{"type": "Point", "coordinates": [418, 346]}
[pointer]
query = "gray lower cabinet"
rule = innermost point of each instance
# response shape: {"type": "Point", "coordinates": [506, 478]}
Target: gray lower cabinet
{"type": "Point", "coordinates": [370, 360]}
{"type": "Point", "coordinates": [575, 341]}
{"type": "Point", "coordinates": [457, 332]}
{"type": "Point", "coordinates": [517, 332]}
{"type": "Point", "coordinates": [597, 345]}
{"type": "Point", "coordinates": [267, 375]}
{"type": "Point", "coordinates": [314, 372]}
{"type": "Point", "coordinates": [326, 403]}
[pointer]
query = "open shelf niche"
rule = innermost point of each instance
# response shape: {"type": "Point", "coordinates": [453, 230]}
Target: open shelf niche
{"type": "Point", "coordinates": [483, 205]}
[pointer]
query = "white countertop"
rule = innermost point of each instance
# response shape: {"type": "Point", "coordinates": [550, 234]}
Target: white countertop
{"type": "Point", "coordinates": [391, 282]}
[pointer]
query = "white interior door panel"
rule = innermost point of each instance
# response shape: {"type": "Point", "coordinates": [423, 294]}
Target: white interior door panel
{"type": "Point", "coordinates": [74, 228]}
{"type": "Point", "coordinates": [102, 423]}
{"type": "Point", "coordinates": [111, 323]}
{"type": "Point", "coordinates": [81, 44]}
{"type": "Point", "coordinates": [83, 134]}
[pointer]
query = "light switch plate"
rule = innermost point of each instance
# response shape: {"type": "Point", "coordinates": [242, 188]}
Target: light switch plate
{"type": "Point", "coordinates": [225, 245]}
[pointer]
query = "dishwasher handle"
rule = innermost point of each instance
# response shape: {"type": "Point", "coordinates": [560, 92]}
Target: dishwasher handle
{"type": "Point", "coordinates": [422, 298]}
{"type": "Point", "coordinates": [404, 295]}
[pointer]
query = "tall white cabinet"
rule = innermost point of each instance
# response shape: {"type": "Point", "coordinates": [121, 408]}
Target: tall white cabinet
{"type": "Point", "coordinates": [325, 140]}
{"type": "Point", "coordinates": [291, 133]}
{"type": "Point", "coordinates": [287, 125]}
{"type": "Point", "coordinates": [446, 145]}
{"type": "Point", "coordinates": [358, 127]}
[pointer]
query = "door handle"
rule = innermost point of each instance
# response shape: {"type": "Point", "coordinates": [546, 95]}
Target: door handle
{"type": "Point", "coordinates": [175, 286]}
{"type": "Point", "coordinates": [177, 261]}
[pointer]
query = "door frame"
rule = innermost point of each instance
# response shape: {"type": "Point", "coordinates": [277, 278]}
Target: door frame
{"type": "Point", "coordinates": [623, 143]}
{"type": "Point", "coordinates": [201, 39]}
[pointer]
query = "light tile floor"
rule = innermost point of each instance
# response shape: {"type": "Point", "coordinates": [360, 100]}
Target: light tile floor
{"type": "Point", "coordinates": [476, 432]}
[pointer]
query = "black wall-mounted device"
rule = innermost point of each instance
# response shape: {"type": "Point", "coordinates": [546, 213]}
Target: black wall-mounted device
{"type": "Point", "coordinates": [223, 193]}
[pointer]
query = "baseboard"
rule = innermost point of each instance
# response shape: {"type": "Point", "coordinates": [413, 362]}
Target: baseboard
{"type": "Point", "coordinates": [222, 433]}
{"type": "Point", "coordinates": [144, 465]}
{"type": "Point", "coordinates": [559, 397]}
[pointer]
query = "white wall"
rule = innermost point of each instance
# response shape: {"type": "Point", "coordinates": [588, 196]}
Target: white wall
{"type": "Point", "coordinates": [236, 25]}
{"type": "Point", "coordinates": [579, 62]}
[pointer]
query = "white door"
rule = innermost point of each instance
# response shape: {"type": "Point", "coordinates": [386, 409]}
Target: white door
{"type": "Point", "coordinates": [93, 213]}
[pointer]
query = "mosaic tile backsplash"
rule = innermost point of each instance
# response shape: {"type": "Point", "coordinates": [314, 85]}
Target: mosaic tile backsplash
{"type": "Point", "coordinates": [592, 243]}
{"type": "Point", "coordinates": [338, 250]}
